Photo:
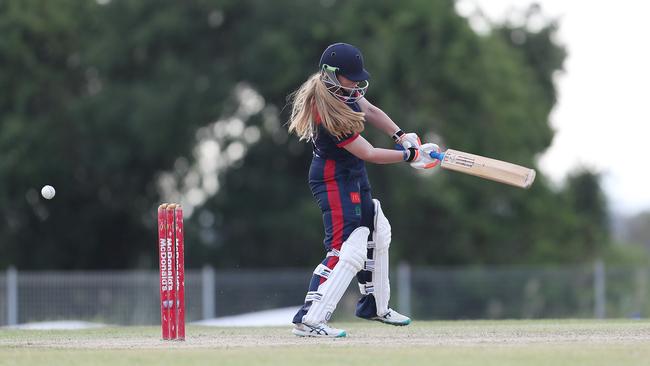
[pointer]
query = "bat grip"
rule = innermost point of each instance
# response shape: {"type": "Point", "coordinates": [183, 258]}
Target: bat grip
{"type": "Point", "coordinates": [437, 155]}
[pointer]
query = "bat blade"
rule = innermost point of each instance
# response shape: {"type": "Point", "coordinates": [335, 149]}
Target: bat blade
{"type": "Point", "coordinates": [487, 168]}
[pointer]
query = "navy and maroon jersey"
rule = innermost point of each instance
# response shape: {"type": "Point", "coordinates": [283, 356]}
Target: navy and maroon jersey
{"type": "Point", "coordinates": [328, 147]}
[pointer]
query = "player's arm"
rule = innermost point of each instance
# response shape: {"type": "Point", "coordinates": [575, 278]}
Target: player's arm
{"type": "Point", "coordinates": [362, 149]}
{"type": "Point", "coordinates": [378, 118]}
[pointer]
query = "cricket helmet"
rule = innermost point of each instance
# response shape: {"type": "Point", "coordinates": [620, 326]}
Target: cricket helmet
{"type": "Point", "coordinates": [346, 60]}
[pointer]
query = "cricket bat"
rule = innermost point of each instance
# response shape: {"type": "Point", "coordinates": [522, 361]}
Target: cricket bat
{"type": "Point", "coordinates": [480, 166]}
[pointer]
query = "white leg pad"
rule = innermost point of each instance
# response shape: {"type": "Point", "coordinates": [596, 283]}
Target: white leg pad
{"type": "Point", "coordinates": [381, 237]}
{"type": "Point", "coordinates": [351, 260]}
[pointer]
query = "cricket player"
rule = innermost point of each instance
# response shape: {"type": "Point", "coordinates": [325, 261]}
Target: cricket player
{"type": "Point", "coordinates": [330, 111]}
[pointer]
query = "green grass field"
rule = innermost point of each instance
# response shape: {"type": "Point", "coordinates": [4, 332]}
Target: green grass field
{"type": "Point", "coordinates": [503, 343]}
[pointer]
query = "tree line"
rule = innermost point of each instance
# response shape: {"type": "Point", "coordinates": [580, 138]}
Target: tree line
{"type": "Point", "coordinates": [117, 103]}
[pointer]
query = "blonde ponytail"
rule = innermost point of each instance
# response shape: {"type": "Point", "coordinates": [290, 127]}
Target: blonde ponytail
{"type": "Point", "coordinates": [337, 118]}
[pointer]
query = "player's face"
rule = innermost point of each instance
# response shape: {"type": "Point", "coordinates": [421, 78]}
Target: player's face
{"type": "Point", "coordinates": [347, 83]}
{"type": "Point", "coordinates": [350, 91]}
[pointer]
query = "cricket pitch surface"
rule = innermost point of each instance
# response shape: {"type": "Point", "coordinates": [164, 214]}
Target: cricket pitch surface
{"type": "Point", "coordinates": [512, 342]}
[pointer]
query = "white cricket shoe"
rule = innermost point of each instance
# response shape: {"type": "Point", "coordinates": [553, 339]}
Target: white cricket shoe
{"type": "Point", "coordinates": [321, 330]}
{"type": "Point", "coordinates": [392, 317]}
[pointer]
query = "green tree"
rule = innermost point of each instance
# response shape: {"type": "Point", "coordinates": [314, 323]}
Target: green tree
{"type": "Point", "coordinates": [105, 102]}
{"type": "Point", "coordinates": [98, 101]}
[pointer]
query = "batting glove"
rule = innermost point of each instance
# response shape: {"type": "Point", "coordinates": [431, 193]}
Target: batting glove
{"type": "Point", "coordinates": [423, 159]}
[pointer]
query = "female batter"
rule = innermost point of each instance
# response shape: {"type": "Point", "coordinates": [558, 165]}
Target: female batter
{"type": "Point", "coordinates": [330, 110]}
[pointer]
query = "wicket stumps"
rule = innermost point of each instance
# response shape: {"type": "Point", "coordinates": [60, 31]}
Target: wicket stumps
{"type": "Point", "coordinates": [172, 271]}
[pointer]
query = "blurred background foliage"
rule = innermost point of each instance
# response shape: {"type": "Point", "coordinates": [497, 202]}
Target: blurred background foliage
{"type": "Point", "coordinates": [121, 105]}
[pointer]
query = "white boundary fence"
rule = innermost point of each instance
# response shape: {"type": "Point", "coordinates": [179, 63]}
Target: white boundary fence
{"type": "Point", "coordinates": [132, 297]}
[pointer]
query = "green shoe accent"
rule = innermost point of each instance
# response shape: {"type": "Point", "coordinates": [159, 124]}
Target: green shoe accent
{"type": "Point", "coordinates": [389, 319]}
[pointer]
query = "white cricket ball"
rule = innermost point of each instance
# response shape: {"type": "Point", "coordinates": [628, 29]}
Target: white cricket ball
{"type": "Point", "coordinates": [48, 192]}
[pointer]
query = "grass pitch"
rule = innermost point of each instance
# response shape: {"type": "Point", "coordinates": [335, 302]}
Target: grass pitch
{"type": "Point", "coordinates": [503, 343]}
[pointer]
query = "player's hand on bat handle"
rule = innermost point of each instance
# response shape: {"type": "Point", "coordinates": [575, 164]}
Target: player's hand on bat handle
{"type": "Point", "coordinates": [425, 160]}
{"type": "Point", "coordinates": [407, 140]}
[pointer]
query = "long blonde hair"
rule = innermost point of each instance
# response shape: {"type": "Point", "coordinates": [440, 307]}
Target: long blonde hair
{"type": "Point", "coordinates": [337, 118]}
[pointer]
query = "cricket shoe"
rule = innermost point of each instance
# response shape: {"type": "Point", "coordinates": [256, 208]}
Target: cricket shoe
{"type": "Point", "coordinates": [321, 330]}
{"type": "Point", "coordinates": [392, 317]}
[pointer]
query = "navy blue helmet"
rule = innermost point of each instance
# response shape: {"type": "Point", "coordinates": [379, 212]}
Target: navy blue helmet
{"type": "Point", "coordinates": [346, 59]}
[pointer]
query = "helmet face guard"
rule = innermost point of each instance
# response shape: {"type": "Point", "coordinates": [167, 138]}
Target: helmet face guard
{"type": "Point", "coordinates": [333, 85]}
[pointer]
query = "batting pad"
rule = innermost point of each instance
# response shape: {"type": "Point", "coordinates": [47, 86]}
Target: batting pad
{"type": "Point", "coordinates": [380, 282]}
{"type": "Point", "coordinates": [351, 261]}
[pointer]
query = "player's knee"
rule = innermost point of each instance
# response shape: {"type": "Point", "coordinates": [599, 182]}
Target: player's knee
{"type": "Point", "coordinates": [382, 233]}
{"type": "Point", "coordinates": [354, 249]}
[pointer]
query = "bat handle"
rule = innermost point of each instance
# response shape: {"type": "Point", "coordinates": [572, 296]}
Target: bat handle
{"type": "Point", "coordinates": [437, 155]}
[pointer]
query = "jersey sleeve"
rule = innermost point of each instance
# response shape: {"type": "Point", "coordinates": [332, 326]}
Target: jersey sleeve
{"type": "Point", "coordinates": [340, 142]}
{"type": "Point", "coordinates": [345, 139]}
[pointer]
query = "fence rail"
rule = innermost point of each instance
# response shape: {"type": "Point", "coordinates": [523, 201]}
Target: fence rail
{"type": "Point", "coordinates": [132, 297]}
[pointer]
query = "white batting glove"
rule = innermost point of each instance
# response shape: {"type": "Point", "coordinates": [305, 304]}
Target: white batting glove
{"type": "Point", "coordinates": [423, 159]}
{"type": "Point", "coordinates": [407, 140]}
